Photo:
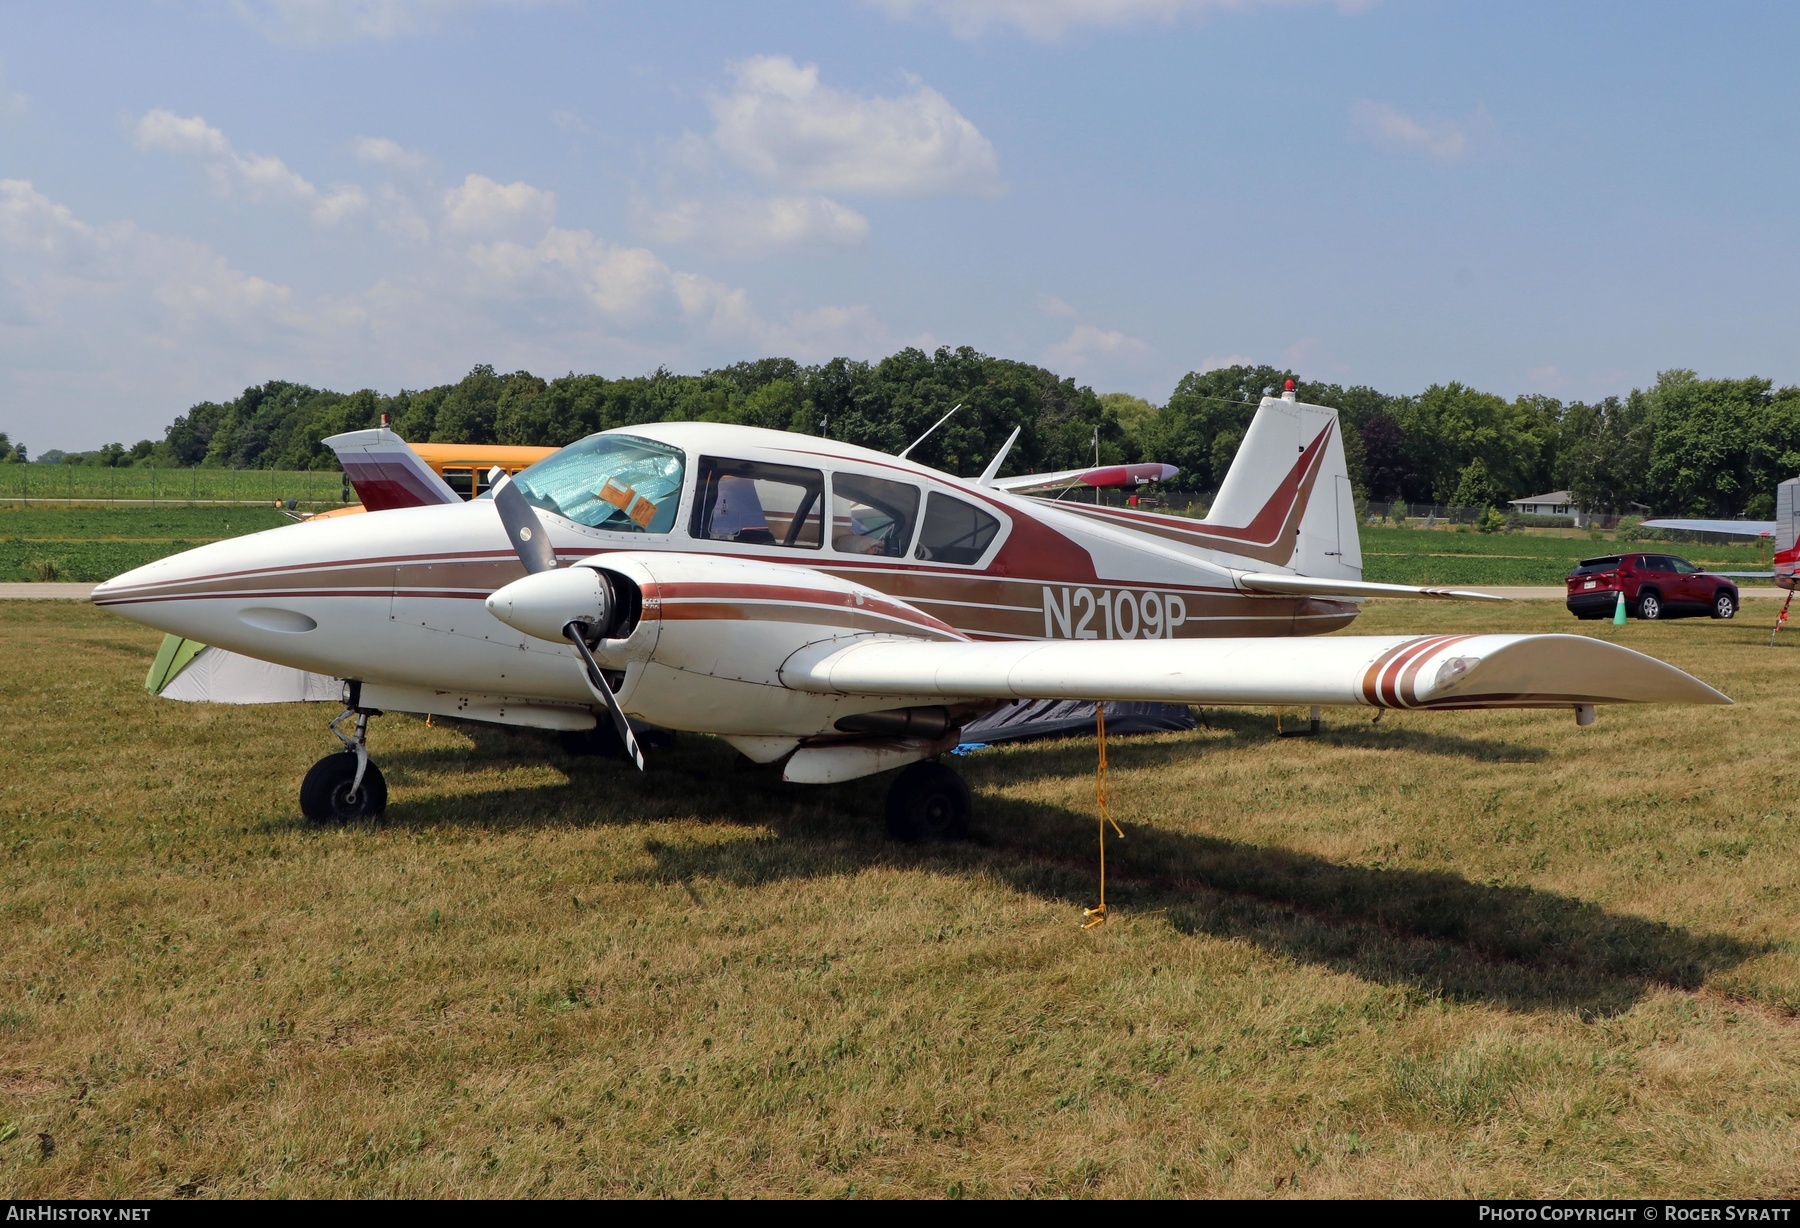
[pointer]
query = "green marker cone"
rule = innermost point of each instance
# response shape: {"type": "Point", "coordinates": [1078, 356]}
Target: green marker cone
{"type": "Point", "coordinates": [1619, 610]}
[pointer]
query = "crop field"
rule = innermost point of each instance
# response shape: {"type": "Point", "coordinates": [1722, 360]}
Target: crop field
{"type": "Point", "coordinates": [1446, 954]}
{"type": "Point", "coordinates": [94, 482]}
{"type": "Point", "coordinates": [100, 542]}
{"type": "Point", "coordinates": [1420, 556]}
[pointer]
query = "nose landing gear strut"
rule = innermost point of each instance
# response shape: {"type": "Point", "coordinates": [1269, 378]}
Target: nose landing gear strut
{"type": "Point", "coordinates": [346, 787]}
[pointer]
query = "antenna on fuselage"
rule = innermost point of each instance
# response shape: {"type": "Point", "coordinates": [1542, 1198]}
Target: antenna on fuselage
{"type": "Point", "coordinates": [927, 435]}
{"type": "Point", "coordinates": [987, 475]}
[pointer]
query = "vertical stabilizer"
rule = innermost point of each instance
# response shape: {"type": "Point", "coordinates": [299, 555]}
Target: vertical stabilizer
{"type": "Point", "coordinates": [386, 472]}
{"type": "Point", "coordinates": [1289, 486]}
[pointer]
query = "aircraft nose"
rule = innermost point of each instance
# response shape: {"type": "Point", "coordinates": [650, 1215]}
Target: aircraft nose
{"type": "Point", "coordinates": [185, 593]}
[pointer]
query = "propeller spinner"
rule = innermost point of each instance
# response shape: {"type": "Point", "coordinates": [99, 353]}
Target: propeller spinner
{"type": "Point", "coordinates": [540, 606]}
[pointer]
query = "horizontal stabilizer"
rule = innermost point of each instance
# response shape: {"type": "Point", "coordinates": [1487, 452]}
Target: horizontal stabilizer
{"type": "Point", "coordinates": [1725, 528]}
{"type": "Point", "coordinates": [387, 473]}
{"type": "Point", "coordinates": [1308, 586]}
{"type": "Point", "coordinates": [1431, 671]}
{"type": "Point", "coordinates": [1095, 476]}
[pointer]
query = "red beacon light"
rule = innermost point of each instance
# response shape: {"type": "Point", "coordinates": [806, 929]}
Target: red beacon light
{"type": "Point", "coordinates": [1287, 390]}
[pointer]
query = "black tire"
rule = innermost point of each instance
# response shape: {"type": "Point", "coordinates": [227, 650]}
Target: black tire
{"type": "Point", "coordinates": [1724, 604]}
{"type": "Point", "coordinates": [325, 793]}
{"type": "Point", "coordinates": [928, 803]}
{"type": "Point", "coordinates": [1650, 606]}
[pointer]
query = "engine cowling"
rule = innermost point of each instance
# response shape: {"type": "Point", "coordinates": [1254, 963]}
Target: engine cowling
{"type": "Point", "coordinates": [701, 639]}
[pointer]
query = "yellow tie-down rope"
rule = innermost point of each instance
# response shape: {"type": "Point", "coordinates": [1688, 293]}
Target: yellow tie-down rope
{"type": "Point", "coordinates": [1097, 914]}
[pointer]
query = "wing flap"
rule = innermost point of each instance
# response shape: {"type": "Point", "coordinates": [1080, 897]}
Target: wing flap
{"type": "Point", "coordinates": [1445, 671]}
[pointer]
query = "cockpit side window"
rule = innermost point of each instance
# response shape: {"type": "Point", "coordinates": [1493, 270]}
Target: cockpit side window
{"type": "Point", "coordinates": [954, 532]}
{"type": "Point", "coordinates": [619, 483]}
{"type": "Point", "coordinates": [872, 515]}
{"type": "Point", "coordinates": [759, 504]}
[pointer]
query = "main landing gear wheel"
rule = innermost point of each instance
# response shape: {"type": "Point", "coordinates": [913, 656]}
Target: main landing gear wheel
{"type": "Point", "coordinates": [1650, 607]}
{"type": "Point", "coordinates": [928, 802]}
{"type": "Point", "coordinates": [331, 794]}
{"type": "Point", "coordinates": [1724, 606]}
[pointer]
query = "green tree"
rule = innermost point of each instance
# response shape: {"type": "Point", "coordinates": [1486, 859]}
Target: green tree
{"type": "Point", "coordinates": [1475, 486]}
{"type": "Point", "coordinates": [1603, 452]}
{"type": "Point", "coordinates": [467, 414]}
{"type": "Point", "coordinates": [1719, 443]}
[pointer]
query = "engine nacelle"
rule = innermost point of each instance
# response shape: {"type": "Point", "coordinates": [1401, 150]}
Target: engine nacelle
{"type": "Point", "coordinates": [711, 635]}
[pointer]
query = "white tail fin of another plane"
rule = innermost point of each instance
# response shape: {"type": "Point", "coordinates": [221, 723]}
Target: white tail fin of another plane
{"type": "Point", "coordinates": [1288, 496]}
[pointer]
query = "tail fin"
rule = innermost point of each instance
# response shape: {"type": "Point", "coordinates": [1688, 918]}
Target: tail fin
{"type": "Point", "coordinates": [1288, 491]}
{"type": "Point", "coordinates": [386, 472]}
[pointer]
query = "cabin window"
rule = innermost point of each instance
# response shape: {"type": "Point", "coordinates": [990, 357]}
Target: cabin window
{"type": "Point", "coordinates": [872, 515]}
{"type": "Point", "coordinates": [954, 532]}
{"type": "Point", "coordinates": [759, 504]}
{"type": "Point", "coordinates": [615, 482]}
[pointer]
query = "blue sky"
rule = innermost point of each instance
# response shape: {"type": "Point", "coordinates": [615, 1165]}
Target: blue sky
{"type": "Point", "coordinates": [199, 195]}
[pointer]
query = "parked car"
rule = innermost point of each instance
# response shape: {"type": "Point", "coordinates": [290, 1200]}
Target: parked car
{"type": "Point", "coordinates": [1655, 586]}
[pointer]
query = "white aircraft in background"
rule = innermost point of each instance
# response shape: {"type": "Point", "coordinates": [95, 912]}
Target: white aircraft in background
{"type": "Point", "coordinates": [835, 610]}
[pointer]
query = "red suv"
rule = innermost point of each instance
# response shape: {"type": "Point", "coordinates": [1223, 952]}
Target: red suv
{"type": "Point", "coordinates": [1655, 586]}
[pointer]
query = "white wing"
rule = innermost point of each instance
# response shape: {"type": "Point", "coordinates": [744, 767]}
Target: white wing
{"type": "Point", "coordinates": [1725, 528]}
{"type": "Point", "coordinates": [1308, 586]}
{"type": "Point", "coordinates": [1094, 475]}
{"type": "Point", "coordinates": [1435, 671]}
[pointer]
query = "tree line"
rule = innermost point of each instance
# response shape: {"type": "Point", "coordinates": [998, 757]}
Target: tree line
{"type": "Point", "coordinates": [1683, 446]}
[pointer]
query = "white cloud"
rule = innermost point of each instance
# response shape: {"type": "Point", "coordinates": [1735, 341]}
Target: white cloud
{"type": "Point", "coordinates": [1049, 20]}
{"type": "Point", "coordinates": [120, 328]}
{"type": "Point", "coordinates": [321, 22]}
{"type": "Point", "coordinates": [61, 269]}
{"type": "Point", "coordinates": [394, 156]}
{"type": "Point", "coordinates": [1087, 343]}
{"type": "Point", "coordinates": [485, 206]}
{"type": "Point", "coordinates": [1055, 308]}
{"type": "Point", "coordinates": [1388, 127]}
{"type": "Point", "coordinates": [1214, 362]}
{"type": "Point", "coordinates": [257, 177]}
{"type": "Point", "coordinates": [13, 103]}
{"type": "Point", "coordinates": [781, 125]}
{"type": "Point", "coordinates": [741, 225]}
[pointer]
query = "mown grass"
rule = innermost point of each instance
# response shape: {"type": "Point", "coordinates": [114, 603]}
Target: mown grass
{"type": "Point", "coordinates": [1420, 556]}
{"type": "Point", "coordinates": [1445, 954]}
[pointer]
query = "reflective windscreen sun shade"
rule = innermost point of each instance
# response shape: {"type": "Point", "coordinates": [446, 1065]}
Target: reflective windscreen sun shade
{"type": "Point", "coordinates": [620, 483]}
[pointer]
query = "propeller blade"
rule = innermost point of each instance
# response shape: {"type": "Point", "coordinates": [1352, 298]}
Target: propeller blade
{"type": "Point", "coordinates": [597, 684]}
{"type": "Point", "coordinates": [523, 528]}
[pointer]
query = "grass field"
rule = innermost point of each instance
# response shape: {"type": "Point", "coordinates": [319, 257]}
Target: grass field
{"type": "Point", "coordinates": [1447, 954]}
{"type": "Point", "coordinates": [1418, 556]}
{"type": "Point", "coordinates": [100, 542]}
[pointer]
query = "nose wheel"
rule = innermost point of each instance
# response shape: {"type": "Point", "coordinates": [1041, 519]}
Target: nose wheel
{"type": "Point", "coordinates": [346, 787]}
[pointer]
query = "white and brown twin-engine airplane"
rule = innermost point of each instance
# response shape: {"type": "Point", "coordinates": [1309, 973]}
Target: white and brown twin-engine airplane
{"type": "Point", "coordinates": [835, 610]}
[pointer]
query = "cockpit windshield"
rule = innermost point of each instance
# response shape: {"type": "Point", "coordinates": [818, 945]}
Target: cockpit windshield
{"type": "Point", "coordinates": [620, 483]}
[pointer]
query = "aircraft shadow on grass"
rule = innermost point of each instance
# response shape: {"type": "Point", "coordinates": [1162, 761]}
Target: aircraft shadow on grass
{"type": "Point", "coordinates": [1436, 932]}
